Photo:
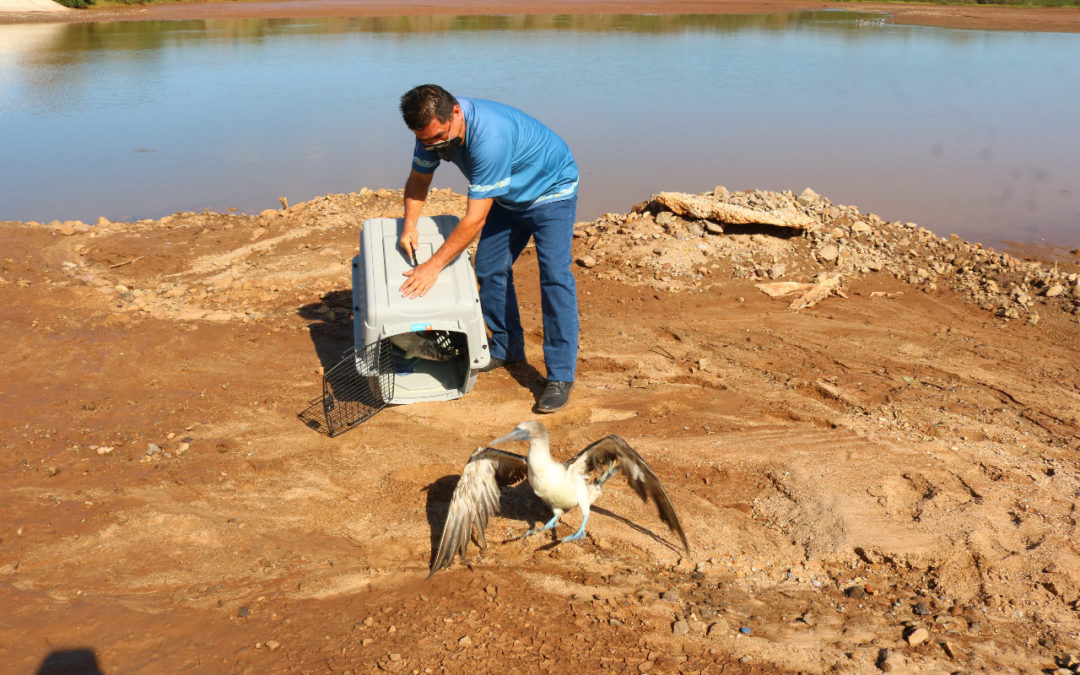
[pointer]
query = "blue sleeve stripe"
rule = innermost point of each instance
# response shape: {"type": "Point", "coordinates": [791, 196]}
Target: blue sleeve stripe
{"type": "Point", "coordinates": [488, 188]}
{"type": "Point", "coordinates": [425, 164]}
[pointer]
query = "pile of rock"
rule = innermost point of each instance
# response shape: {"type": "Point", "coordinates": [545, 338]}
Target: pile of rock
{"type": "Point", "coordinates": [677, 241]}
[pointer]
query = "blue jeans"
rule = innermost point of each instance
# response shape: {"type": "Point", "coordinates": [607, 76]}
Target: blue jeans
{"type": "Point", "coordinates": [505, 234]}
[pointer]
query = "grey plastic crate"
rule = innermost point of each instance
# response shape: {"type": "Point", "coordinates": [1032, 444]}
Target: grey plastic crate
{"type": "Point", "coordinates": [449, 312]}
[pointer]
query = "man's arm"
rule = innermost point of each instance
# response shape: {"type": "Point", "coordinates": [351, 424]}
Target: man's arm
{"type": "Point", "coordinates": [416, 191]}
{"type": "Point", "coordinates": [422, 277]}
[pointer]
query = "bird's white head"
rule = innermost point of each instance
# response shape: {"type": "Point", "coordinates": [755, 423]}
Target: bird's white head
{"type": "Point", "coordinates": [526, 431]}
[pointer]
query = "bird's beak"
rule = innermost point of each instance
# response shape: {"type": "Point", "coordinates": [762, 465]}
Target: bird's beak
{"type": "Point", "coordinates": [515, 435]}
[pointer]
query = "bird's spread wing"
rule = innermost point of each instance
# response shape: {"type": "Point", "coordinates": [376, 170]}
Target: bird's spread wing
{"type": "Point", "coordinates": [600, 455]}
{"type": "Point", "coordinates": [475, 498]}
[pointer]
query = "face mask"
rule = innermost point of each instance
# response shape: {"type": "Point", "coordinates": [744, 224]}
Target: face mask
{"type": "Point", "coordinates": [447, 148]}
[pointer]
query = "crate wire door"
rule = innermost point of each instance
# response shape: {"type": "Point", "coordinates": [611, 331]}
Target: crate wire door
{"type": "Point", "coordinates": [358, 386]}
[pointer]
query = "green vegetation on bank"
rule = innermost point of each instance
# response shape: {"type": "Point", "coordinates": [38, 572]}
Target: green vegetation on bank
{"type": "Point", "coordinates": [82, 4]}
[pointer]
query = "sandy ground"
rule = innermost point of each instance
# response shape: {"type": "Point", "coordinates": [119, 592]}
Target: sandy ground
{"type": "Point", "coordinates": [887, 479]}
{"type": "Point", "coordinates": [991, 18]}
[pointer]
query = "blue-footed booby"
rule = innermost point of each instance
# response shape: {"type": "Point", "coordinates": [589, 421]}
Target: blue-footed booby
{"type": "Point", "coordinates": [578, 481]}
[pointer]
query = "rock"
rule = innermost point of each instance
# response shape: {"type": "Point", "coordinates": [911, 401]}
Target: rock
{"type": "Point", "coordinates": [103, 222]}
{"type": "Point", "coordinates": [104, 450]}
{"type": "Point", "coordinates": [859, 227]}
{"type": "Point", "coordinates": [921, 608]}
{"type": "Point", "coordinates": [717, 228]}
{"type": "Point", "coordinates": [829, 252]}
{"type": "Point", "coordinates": [587, 261]}
{"type": "Point", "coordinates": [855, 592]}
{"type": "Point", "coordinates": [671, 596]}
{"type": "Point", "coordinates": [889, 661]}
{"type": "Point", "coordinates": [707, 207]}
{"type": "Point", "coordinates": [716, 629]}
{"type": "Point", "coordinates": [152, 449]}
{"type": "Point", "coordinates": [777, 270]}
{"type": "Point", "coordinates": [917, 637]}
{"type": "Point", "coordinates": [948, 648]}
{"type": "Point", "coordinates": [465, 641]}
{"type": "Point", "coordinates": [272, 645]}
{"type": "Point", "coordinates": [808, 197]}
{"type": "Point", "coordinates": [680, 628]}
{"type": "Point", "coordinates": [1054, 291]}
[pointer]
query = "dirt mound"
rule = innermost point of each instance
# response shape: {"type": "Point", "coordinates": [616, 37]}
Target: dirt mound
{"type": "Point", "coordinates": [886, 478]}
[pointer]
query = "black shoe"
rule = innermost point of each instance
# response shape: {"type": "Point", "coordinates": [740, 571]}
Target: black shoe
{"type": "Point", "coordinates": [555, 397]}
{"type": "Point", "coordinates": [495, 364]}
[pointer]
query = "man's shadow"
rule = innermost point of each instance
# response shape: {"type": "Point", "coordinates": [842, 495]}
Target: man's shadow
{"type": "Point", "coordinates": [526, 375]}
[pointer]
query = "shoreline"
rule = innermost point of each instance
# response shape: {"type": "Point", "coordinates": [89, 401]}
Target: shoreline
{"type": "Point", "coordinates": [1052, 19]}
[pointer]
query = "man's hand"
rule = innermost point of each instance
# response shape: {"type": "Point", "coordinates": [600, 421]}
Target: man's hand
{"type": "Point", "coordinates": [409, 242]}
{"type": "Point", "coordinates": [420, 280]}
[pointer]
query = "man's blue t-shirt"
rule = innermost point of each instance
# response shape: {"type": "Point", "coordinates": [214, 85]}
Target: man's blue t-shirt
{"type": "Point", "coordinates": [509, 156]}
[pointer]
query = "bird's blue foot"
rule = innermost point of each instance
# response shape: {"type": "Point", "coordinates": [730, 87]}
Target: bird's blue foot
{"type": "Point", "coordinates": [581, 531]}
{"type": "Point", "coordinates": [547, 526]}
{"type": "Point", "coordinates": [575, 536]}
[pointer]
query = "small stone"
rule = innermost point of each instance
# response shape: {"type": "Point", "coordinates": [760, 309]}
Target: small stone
{"type": "Point", "coordinates": [921, 608]}
{"type": "Point", "coordinates": [829, 252]}
{"type": "Point", "coordinates": [395, 657]}
{"type": "Point", "coordinates": [465, 641]}
{"type": "Point", "coordinates": [917, 637]}
{"type": "Point", "coordinates": [243, 612]}
{"type": "Point", "coordinates": [671, 596]}
{"type": "Point", "coordinates": [104, 450]}
{"type": "Point", "coordinates": [272, 645]}
{"type": "Point", "coordinates": [1055, 290]}
{"type": "Point", "coordinates": [152, 449]}
{"type": "Point", "coordinates": [587, 261]}
{"type": "Point", "coordinates": [889, 661]}
{"type": "Point", "coordinates": [713, 228]}
{"type": "Point", "coordinates": [808, 197]}
{"type": "Point", "coordinates": [855, 592]}
{"type": "Point", "coordinates": [680, 628]}
{"type": "Point", "coordinates": [859, 227]}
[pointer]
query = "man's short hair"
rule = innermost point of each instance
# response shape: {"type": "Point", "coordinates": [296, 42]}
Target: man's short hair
{"type": "Point", "coordinates": [420, 104]}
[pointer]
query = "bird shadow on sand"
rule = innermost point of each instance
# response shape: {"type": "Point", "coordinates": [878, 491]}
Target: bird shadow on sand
{"type": "Point", "coordinates": [596, 510]}
{"type": "Point", "coordinates": [519, 503]}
